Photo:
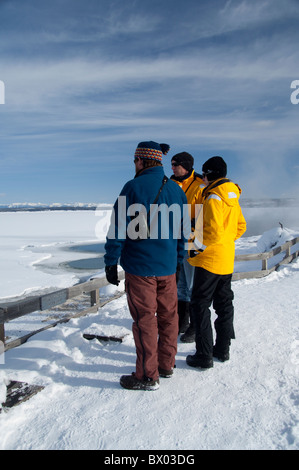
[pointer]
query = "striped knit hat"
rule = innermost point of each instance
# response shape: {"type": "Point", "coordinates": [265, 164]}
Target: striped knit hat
{"type": "Point", "coordinates": [151, 151]}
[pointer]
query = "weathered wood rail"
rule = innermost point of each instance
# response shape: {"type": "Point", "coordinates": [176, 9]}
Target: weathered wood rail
{"type": "Point", "coordinates": [13, 310]}
{"type": "Point", "coordinates": [264, 257]}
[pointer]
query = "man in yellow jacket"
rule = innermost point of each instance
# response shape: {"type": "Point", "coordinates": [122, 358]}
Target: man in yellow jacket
{"type": "Point", "coordinates": [213, 254]}
{"type": "Point", "coordinates": [192, 185]}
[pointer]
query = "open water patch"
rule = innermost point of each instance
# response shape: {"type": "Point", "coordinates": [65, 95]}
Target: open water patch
{"type": "Point", "coordinates": [96, 247]}
{"type": "Point", "coordinates": [87, 264]}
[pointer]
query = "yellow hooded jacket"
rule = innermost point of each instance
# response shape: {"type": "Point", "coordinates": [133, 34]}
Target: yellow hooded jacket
{"type": "Point", "coordinates": [223, 223]}
{"type": "Point", "coordinates": [192, 187]}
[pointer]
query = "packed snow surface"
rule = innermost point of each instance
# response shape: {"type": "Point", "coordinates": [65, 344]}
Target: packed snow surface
{"type": "Point", "coordinates": [249, 402]}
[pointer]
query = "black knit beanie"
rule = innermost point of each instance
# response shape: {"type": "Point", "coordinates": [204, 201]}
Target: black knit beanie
{"type": "Point", "coordinates": [214, 168]}
{"type": "Point", "coordinates": [184, 159]}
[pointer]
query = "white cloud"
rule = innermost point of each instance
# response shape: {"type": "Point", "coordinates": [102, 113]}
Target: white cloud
{"type": "Point", "coordinates": [200, 77]}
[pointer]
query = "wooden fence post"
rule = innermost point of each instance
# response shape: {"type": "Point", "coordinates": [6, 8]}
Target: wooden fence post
{"type": "Point", "coordinates": [94, 297]}
{"type": "Point", "coordinates": [264, 264]}
{"type": "Point", "coordinates": [2, 333]}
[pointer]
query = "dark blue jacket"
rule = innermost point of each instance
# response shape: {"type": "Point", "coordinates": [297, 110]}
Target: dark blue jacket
{"type": "Point", "coordinates": [160, 254]}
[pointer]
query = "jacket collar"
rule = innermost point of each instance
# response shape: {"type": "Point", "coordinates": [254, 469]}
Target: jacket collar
{"type": "Point", "coordinates": [182, 178]}
{"type": "Point", "coordinates": [152, 169]}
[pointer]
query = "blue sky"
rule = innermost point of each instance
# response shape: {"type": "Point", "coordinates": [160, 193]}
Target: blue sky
{"type": "Point", "coordinates": [86, 80]}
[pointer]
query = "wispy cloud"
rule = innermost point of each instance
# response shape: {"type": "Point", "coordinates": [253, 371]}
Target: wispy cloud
{"type": "Point", "coordinates": [207, 76]}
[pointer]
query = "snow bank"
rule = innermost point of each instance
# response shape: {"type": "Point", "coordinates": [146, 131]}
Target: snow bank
{"type": "Point", "coordinates": [274, 238]}
{"type": "Point", "coordinates": [3, 383]}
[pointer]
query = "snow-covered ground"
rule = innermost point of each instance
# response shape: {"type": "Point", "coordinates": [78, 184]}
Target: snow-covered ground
{"type": "Point", "coordinates": [250, 402]}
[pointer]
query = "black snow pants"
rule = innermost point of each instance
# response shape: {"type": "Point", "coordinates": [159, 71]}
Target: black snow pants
{"type": "Point", "coordinates": [207, 288]}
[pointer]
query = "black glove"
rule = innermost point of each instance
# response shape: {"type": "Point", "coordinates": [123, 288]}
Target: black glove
{"type": "Point", "coordinates": [193, 253]}
{"type": "Point", "coordinates": [178, 269]}
{"type": "Point", "coordinates": [111, 274]}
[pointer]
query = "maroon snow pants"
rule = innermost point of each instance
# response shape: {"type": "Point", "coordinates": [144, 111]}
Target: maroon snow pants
{"type": "Point", "coordinates": [152, 303]}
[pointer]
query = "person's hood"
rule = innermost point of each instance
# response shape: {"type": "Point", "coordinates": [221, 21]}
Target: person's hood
{"type": "Point", "coordinates": [224, 189]}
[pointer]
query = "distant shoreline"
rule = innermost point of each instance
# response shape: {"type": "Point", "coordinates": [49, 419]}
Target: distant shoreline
{"type": "Point", "coordinates": [37, 207]}
{"type": "Point", "coordinates": [40, 208]}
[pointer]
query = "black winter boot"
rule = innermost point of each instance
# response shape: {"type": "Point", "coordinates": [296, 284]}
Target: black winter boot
{"type": "Point", "coordinates": [189, 336]}
{"type": "Point", "coordinates": [183, 311]}
{"type": "Point", "coordinates": [221, 349]}
{"type": "Point", "coordinates": [130, 382]}
{"type": "Point", "coordinates": [199, 360]}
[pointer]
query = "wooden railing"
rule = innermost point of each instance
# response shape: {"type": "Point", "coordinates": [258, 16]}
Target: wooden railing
{"type": "Point", "coordinates": [13, 310]}
{"type": "Point", "coordinates": [264, 257]}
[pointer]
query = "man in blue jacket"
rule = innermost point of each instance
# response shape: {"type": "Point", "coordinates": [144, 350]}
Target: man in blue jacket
{"type": "Point", "coordinates": [147, 234]}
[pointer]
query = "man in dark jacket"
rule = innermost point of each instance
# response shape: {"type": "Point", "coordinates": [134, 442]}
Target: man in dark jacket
{"type": "Point", "coordinates": [150, 259]}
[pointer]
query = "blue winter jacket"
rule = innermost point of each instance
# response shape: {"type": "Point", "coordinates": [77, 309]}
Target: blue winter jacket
{"type": "Point", "coordinates": [160, 254]}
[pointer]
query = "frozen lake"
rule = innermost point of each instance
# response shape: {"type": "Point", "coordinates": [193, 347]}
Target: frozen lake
{"type": "Point", "coordinates": [56, 249]}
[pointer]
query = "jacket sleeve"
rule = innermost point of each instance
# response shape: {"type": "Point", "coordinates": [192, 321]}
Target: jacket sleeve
{"type": "Point", "coordinates": [241, 225]}
{"type": "Point", "coordinates": [196, 199]}
{"type": "Point", "coordinates": [212, 223]}
{"type": "Point", "coordinates": [116, 235]}
{"type": "Point", "coordinates": [185, 230]}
